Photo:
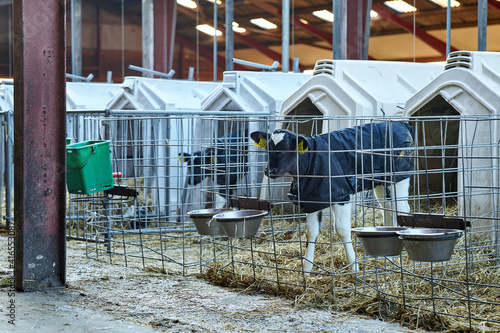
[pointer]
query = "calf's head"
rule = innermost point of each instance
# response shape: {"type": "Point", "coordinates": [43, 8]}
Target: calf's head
{"type": "Point", "coordinates": [195, 162]}
{"type": "Point", "coordinates": [283, 147]}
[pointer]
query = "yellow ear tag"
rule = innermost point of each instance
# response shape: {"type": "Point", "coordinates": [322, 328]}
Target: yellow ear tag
{"type": "Point", "coordinates": [301, 148]}
{"type": "Point", "coordinates": [181, 160]}
{"type": "Point", "coordinates": [212, 159]}
{"type": "Point", "coordinates": [262, 144]}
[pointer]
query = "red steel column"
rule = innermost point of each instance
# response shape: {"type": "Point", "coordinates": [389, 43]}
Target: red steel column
{"type": "Point", "coordinates": [165, 17]}
{"type": "Point", "coordinates": [39, 146]}
{"type": "Point", "coordinates": [356, 21]}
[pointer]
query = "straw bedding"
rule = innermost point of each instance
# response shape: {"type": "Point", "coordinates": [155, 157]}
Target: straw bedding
{"type": "Point", "coordinates": [381, 288]}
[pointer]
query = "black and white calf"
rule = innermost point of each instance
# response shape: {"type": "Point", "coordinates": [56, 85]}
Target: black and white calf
{"type": "Point", "coordinates": [323, 169]}
{"type": "Point", "coordinates": [225, 163]}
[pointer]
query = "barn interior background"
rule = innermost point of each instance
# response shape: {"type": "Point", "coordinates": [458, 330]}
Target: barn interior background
{"type": "Point", "coordinates": [144, 217]}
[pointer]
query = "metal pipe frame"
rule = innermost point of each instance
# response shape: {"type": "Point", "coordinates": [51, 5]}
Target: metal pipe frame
{"type": "Point", "coordinates": [76, 38]}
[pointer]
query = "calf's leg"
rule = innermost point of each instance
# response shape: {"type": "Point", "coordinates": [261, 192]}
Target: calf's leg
{"type": "Point", "coordinates": [342, 214]}
{"type": "Point", "coordinates": [313, 224]}
{"type": "Point", "coordinates": [386, 204]}
{"type": "Point", "coordinates": [402, 190]}
{"type": "Point", "coordinates": [392, 203]}
{"type": "Point", "coordinates": [220, 201]}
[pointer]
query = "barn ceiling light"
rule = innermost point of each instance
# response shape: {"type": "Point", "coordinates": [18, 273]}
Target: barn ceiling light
{"type": "Point", "coordinates": [373, 14]}
{"type": "Point", "coordinates": [207, 29]}
{"type": "Point", "coordinates": [324, 14]}
{"type": "Point", "coordinates": [187, 3]}
{"type": "Point", "coordinates": [400, 6]}
{"type": "Point", "coordinates": [237, 28]}
{"type": "Point", "coordinates": [219, 2]}
{"type": "Point", "coordinates": [444, 3]}
{"type": "Point", "coordinates": [305, 21]}
{"type": "Point", "coordinates": [263, 23]}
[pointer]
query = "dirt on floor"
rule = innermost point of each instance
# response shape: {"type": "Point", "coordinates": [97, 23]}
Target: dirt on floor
{"type": "Point", "coordinates": [103, 297]}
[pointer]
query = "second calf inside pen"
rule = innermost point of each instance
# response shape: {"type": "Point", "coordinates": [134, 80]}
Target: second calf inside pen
{"type": "Point", "coordinates": [328, 168]}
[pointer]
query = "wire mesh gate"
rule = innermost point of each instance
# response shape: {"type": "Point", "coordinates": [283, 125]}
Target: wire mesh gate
{"type": "Point", "coordinates": [143, 220]}
{"type": "Point", "coordinates": [456, 176]}
{"type": "Point", "coordinates": [455, 185]}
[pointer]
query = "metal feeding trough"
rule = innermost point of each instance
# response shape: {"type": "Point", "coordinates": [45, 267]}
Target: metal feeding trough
{"type": "Point", "coordinates": [241, 223]}
{"type": "Point", "coordinates": [380, 241]}
{"type": "Point", "coordinates": [430, 245]}
{"type": "Point", "coordinates": [204, 222]}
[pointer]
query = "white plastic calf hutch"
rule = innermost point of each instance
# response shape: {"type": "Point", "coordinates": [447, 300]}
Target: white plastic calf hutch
{"type": "Point", "coordinates": [139, 93]}
{"type": "Point", "coordinates": [85, 103]}
{"type": "Point", "coordinates": [6, 142]}
{"type": "Point", "coordinates": [90, 95]}
{"type": "Point", "coordinates": [253, 91]}
{"type": "Point", "coordinates": [6, 96]}
{"type": "Point", "coordinates": [457, 126]}
{"type": "Point", "coordinates": [243, 95]}
{"type": "Point", "coordinates": [159, 126]}
{"type": "Point", "coordinates": [340, 91]}
{"type": "Point", "coordinates": [346, 89]}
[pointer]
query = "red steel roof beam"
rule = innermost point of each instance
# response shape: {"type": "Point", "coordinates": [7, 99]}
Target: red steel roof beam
{"type": "Point", "coordinates": [432, 41]}
{"type": "Point", "coordinates": [494, 4]}
{"type": "Point", "coordinates": [206, 53]}
{"type": "Point", "coordinates": [260, 47]}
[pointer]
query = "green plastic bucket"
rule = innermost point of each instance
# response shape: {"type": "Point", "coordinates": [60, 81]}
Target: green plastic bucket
{"type": "Point", "coordinates": [88, 166]}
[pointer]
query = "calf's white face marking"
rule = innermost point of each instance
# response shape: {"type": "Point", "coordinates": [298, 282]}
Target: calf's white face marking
{"type": "Point", "coordinates": [277, 138]}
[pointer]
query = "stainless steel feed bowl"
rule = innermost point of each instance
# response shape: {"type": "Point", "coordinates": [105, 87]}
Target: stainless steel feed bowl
{"type": "Point", "coordinates": [380, 241]}
{"type": "Point", "coordinates": [241, 223]}
{"type": "Point", "coordinates": [204, 222]}
{"type": "Point", "coordinates": [430, 245]}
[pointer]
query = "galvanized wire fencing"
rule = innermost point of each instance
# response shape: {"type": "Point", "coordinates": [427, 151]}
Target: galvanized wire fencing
{"type": "Point", "coordinates": [452, 195]}
{"type": "Point", "coordinates": [6, 166]}
{"type": "Point", "coordinates": [143, 220]}
{"type": "Point", "coordinates": [168, 164]}
{"type": "Point", "coordinates": [455, 186]}
{"type": "Point", "coordinates": [81, 125]}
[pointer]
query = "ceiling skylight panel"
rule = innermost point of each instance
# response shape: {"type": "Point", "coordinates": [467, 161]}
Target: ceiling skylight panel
{"type": "Point", "coordinates": [187, 3]}
{"type": "Point", "coordinates": [400, 6]}
{"type": "Point", "coordinates": [207, 29]}
{"type": "Point", "coordinates": [444, 3]}
{"type": "Point", "coordinates": [263, 23]}
{"type": "Point", "coordinates": [324, 14]}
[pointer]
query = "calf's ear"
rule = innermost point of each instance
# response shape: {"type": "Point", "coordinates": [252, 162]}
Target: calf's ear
{"type": "Point", "coordinates": [260, 139]}
{"type": "Point", "coordinates": [184, 157]}
{"type": "Point", "coordinates": [302, 145]}
{"type": "Point", "coordinates": [211, 154]}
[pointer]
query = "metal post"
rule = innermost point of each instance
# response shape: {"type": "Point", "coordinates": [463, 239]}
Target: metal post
{"type": "Point", "coordinates": [191, 74]}
{"type": "Point", "coordinates": [296, 68]}
{"type": "Point", "coordinates": [339, 34]}
{"type": "Point", "coordinates": [285, 36]}
{"type": "Point", "coordinates": [9, 186]}
{"type": "Point", "coordinates": [40, 143]}
{"type": "Point", "coordinates": [366, 39]}
{"type": "Point", "coordinates": [109, 77]}
{"type": "Point", "coordinates": [448, 28]}
{"type": "Point", "coordinates": [215, 41]}
{"type": "Point", "coordinates": [76, 37]}
{"type": "Point", "coordinates": [10, 40]}
{"type": "Point", "coordinates": [164, 22]}
{"type": "Point", "coordinates": [229, 35]}
{"type": "Point", "coordinates": [147, 36]}
{"type": "Point", "coordinates": [482, 24]}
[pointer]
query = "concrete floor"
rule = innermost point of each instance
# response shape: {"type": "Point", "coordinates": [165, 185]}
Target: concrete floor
{"type": "Point", "coordinates": [102, 297]}
{"type": "Point", "coordinates": [50, 311]}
